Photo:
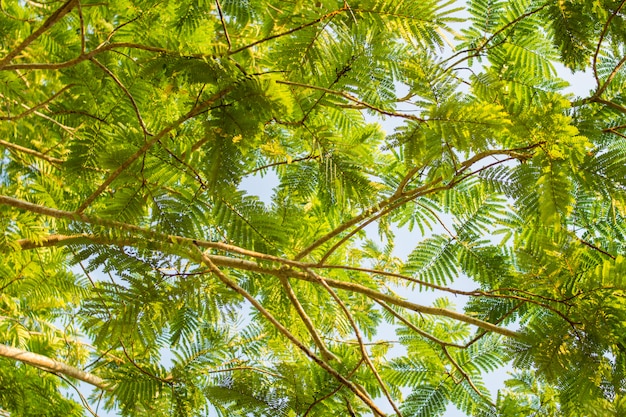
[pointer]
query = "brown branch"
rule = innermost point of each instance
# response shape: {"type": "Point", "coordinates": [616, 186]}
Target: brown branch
{"type": "Point", "coordinates": [592, 246]}
{"type": "Point", "coordinates": [237, 263]}
{"type": "Point", "coordinates": [244, 368]}
{"type": "Point", "coordinates": [417, 329]}
{"type": "Point", "coordinates": [612, 75]}
{"type": "Point", "coordinates": [437, 311]}
{"type": "Point", "coordinates": [400, 198]}
{"type": "Point", "coordinates": [353, 99]}
{"type": "Point", "coordinates": [331, 393]}
{"type": "Point", "coordinates": [304, 158]}
{"type": "Point", "coordinates": [54, 240]}
{"type": "Point", "coordinates": [192, 113]}
{"type": "Point", "coordinates": [219, 9]}
{"type": "Point", "coordinates": [49, 22]}
{"type": "Point", "coordinates": [361, 217]}
{"type": "Point", "coordinates": [126, 92]}
{"type": "Point", "coordinates": [290, 31]}
{"type": "Point", "coordinates": [476, 51]}
{"type": "Point", "coordinates": [53, 366]}
{"type": "Point", "coordinates": [326, 354]}
{"type": "Point", "coordinates": [29, 151]}
{"type": "Point", "coordinates": [597, 52]}
{"type": "Point", "coordinates": [608, 103]}
{"type": "Point", "coordinates": [80, 395]}
{"type": "Point", "coordinates": [465, 376]}
{"type": "Point", "coordinates": [359, 338]}
{"type": "Point", "coordinates": [82, 28]}
{"type": "Point", "coordinates": [167, 380]}
{"type": "Point", "coordinates": [38, 106]}
{"type": "Point", "coordinates": [88, 55]}
{"type": "Point", "coordinates": [285, 332]}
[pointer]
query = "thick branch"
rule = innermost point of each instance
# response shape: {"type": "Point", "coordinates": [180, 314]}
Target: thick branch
{"type": "Point", "coordinates": [51, 365]}
{"type": "Point", "coordinates": [30, 152]}
{"type": "Point", "coordinates": [164, 242]}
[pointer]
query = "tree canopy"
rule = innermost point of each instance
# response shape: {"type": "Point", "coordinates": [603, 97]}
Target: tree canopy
{"type": "Point", "coordinates": [138, 266]}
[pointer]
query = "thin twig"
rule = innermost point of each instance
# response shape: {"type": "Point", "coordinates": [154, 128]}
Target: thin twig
{"type": "Point", "coordinates": [292, 161]}
{"type": "Point", "coordinates": [478, 49]}
{"type": "Point", "coordinates": [331, 393]}
{"type": "Point", "coordinates": [359, 338]}
{"type": "Point", "coordinates": [126, 92]}
{"type": "Point", "coordinates": [190, 114]}
{"type": "Point", "coordinates": [353, 99]}
{"type": "Point", "coordinates": [326, 354]}
{"type": "Point", "coordinates": [219, 9]}
{"type": "Point", "coordinates": [290, 31]}
{"type": "Point", "coordinates": [30, 110]}
{"type": "Point", "coordinates": [32, 152]}
{"type": "Point", "coordinates": [80, 395]}
{"type": "Point", "coordinates": [597, 52]}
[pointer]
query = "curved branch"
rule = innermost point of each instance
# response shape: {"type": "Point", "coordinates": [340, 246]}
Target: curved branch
{"type": "Point", "coordinates": [164, 242]}
{"type": "Point", "coordinates": [359, 338]}
{"type": "Point", "coordinates": [190, 114]}
{"type": "Point", "coordinates": [326, 354]}
{"type": "Point", "coordinates": [597, 52]}
{"type": "Point", "coordinates": [290, 31]}
{"type": "Point", "coordinates": [50, 21]}
{"type": "Point", "coordinates": [126, 92]}
{"type": "Point", "coordinates": [361, 217]}
{"type": "Point", "coordinates": [53, 366]}
{"type": "Point", "coordinates": [478, 49]}
{"type": "Point", "coordinates": [87, 56]}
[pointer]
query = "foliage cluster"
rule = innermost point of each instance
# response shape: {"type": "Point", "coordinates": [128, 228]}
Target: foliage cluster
{"type": "Point", "coordinates": [134, 259]}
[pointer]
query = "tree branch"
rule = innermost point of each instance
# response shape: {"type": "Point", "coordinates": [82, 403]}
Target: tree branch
{"type": "Point", "coordinates": [353, 99]}
{"type": "Point", "coordinates": [53, 366]}
{"type": "Point", "coordinates": [290, 31]}
{"type": "Point", "coordinates": [50, 21]}
{"type": "Point", "coordinates": [219, 9]}
{"type": "Point", "coordinates": [126, 92]}
{"type": "Point", "coordinates": [326, 354]}
{"type": "Point", "coordinates": [38, 106]}
{"type": "Point", "coordinates": [359, 339]}
{"type": "Point", "coordinates": [594, 65]}
{"type": "Point", "coordinates": [163, 243]}
{"type": "Point", "coordinates": [190, 114]}
{"type": "Point", "coordinates": [285, 332]}
{"type": "Point", "coordinates": [32, 152]}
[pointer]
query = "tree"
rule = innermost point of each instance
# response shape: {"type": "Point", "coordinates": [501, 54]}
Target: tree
{"type": "Point", "coordinates": [135, 262]}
